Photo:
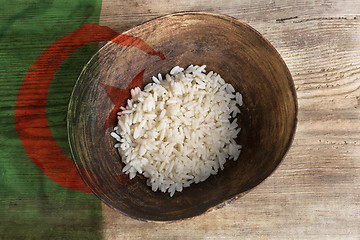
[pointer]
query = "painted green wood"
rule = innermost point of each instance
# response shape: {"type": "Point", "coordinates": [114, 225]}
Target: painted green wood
{"type": "Point", "coordinates": [32, 206]}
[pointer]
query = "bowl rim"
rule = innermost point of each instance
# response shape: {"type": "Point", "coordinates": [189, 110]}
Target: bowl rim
{"type": "Point", "coordinates": [236, 196]}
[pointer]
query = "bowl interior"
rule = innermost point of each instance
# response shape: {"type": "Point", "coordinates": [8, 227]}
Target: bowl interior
{"type": "Point", "coordinates": [231, 48]}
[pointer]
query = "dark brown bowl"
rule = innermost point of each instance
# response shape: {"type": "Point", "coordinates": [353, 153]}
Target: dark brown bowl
{"type": "Point", "coordinates": [227, 46]}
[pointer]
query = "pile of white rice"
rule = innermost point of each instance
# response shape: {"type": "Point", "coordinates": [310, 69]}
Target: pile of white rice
{"type": "Point", "coordinates": [177, 131]}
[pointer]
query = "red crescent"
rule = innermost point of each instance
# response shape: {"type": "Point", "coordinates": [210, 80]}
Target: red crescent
{"type": "Point", "coordinates": [30, 112]}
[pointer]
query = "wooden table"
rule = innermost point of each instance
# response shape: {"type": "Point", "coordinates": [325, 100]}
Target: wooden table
{"type": "Point", "coordinates": [315, 192]}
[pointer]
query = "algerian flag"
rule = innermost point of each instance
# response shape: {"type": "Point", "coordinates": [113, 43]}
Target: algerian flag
{"type": "Point", "coordinates": [33, 206]}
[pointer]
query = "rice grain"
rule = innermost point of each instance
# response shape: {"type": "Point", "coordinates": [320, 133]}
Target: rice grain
{"type": "Point", "coordinates": [178, 130]}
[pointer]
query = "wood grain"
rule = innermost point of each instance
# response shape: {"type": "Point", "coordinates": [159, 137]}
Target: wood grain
{"type": "Point", "coordinates": [315, 192]}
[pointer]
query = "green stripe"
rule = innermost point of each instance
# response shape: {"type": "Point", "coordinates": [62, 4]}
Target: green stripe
{"type": "Point", "coordinates": [32, 206]}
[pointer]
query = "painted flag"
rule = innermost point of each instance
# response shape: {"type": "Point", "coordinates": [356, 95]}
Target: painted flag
{"type": "Point", "coordinates": [32, 205]}
{"type": "Point", "coordinates": [44, 46]}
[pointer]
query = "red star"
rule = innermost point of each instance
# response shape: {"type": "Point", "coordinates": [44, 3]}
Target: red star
{"type": "Point", "coordinates": [119, 97]}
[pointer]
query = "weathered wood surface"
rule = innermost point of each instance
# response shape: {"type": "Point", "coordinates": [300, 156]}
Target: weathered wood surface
{"type": "Point", "coordinates": [315, 193]}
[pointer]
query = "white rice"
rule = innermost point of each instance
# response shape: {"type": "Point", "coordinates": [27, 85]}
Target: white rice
{"type": "Point", "coordinates": [177, 131]}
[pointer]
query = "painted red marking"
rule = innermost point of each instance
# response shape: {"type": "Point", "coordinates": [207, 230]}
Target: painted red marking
{"type": "Point", "coordinates": [119, 96]}
{"type": "Point", "coordinates": [127, 40]}
{"type": "Point", "coordinates": [122, 180]}
{"type": "Point", "coordinates": [30, 112]}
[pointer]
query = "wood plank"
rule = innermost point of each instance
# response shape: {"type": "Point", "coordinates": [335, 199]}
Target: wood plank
{"type": "Point", "coordinates": [122, 15]}
{"type": "Point", "coordinates": [314, 194]}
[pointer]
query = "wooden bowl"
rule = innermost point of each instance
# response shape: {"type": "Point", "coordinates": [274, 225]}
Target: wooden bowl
{"type": "Point", "coordinates": [227, 46]}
